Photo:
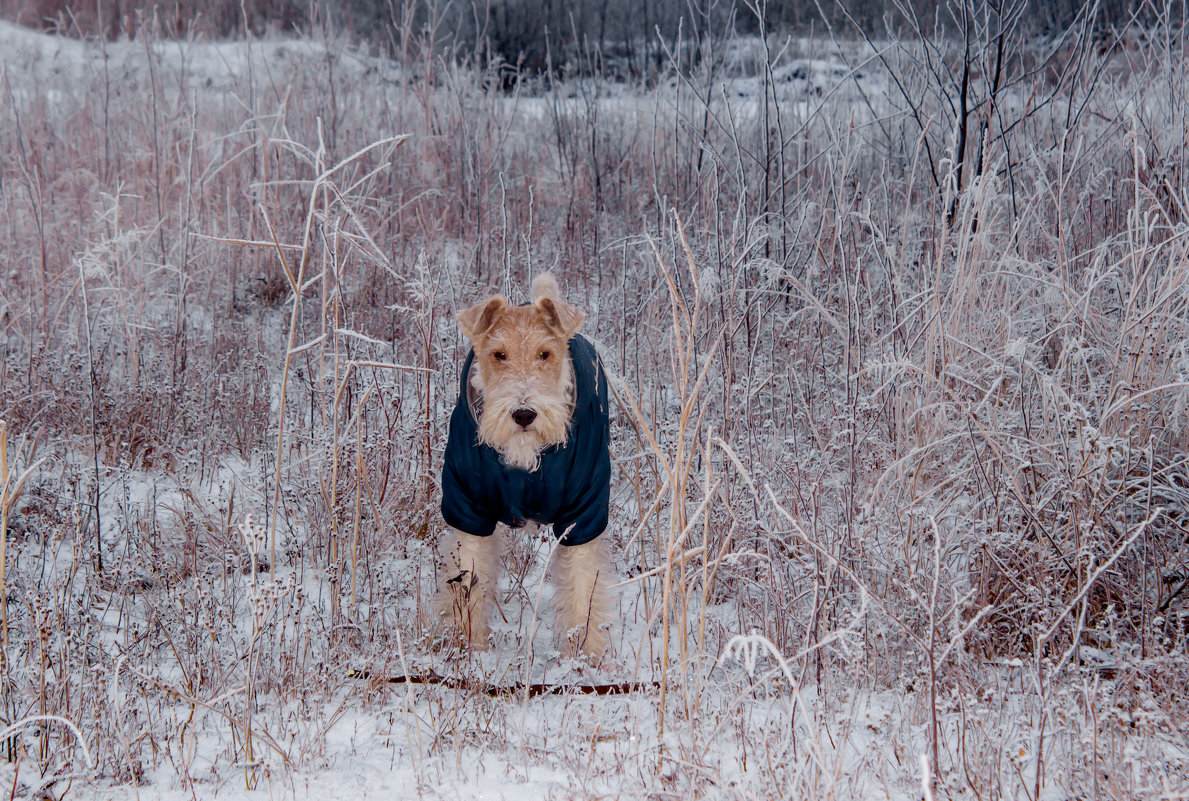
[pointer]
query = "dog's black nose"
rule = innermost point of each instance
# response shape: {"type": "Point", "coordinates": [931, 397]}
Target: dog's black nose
{"type": "Point", "coordinates": [524, 417]}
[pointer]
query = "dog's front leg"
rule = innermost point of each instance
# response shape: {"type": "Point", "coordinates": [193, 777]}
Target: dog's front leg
{"type": "Point", "coordinates": [472, 575]}
{"type": "Point", "coordinates": [582, 578]}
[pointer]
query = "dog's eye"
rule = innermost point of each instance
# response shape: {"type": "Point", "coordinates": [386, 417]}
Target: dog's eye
{"type": "Point", "coordinates": [542, 355]}
{"type": "Point", "coordinates": [500, 356]}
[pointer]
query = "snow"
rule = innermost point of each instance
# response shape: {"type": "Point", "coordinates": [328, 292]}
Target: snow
{"type": "Point", "coordinates": [218, 65]}
{"type": "Point", "coordinates": [725, 729]}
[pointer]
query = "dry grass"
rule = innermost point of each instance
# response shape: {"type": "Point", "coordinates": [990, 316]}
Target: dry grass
{"type": "Point", "coordinates": [932, 464]}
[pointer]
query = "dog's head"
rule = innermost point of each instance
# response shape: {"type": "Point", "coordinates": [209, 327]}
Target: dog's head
{"type": "Point", "coordinates": [522, 371]}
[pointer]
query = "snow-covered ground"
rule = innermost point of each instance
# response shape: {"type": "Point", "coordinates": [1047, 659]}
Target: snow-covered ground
{"type": "Point", "coordinates": [193, 666]}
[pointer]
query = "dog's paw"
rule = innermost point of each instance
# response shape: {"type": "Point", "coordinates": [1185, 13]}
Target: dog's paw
{"type": "Point", "coordinates": [590, 643]}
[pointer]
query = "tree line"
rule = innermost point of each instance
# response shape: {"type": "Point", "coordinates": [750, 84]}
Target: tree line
{"type": "Point", "coordinates": [536, 36]}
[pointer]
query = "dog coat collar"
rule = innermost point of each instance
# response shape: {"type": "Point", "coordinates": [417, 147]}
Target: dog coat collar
{"type": "Point", "coordinates": [569, 490]}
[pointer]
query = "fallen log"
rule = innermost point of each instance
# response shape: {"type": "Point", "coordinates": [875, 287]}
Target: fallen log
{"type": "Point", "coordinates": [508, 690]}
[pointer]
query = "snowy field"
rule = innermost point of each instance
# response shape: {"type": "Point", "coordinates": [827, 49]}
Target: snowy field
{"type": "Point", "coordinates": [900, 486]}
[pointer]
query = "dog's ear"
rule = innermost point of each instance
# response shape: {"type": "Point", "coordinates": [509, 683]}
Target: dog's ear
{"type": "Point", "coordinates": [480, 318]}
{"type": "Point", "coordinates": [562, 318]}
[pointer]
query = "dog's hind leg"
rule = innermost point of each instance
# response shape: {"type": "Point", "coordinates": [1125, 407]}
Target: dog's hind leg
{"type": "Point", "coordinates": [582, 578]}
{"type": "Point", "coordinates": [472, 576]}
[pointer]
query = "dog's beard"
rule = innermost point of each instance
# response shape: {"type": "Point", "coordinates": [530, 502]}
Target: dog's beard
{"type": "Point", "coordinates": [520, 447]}
{"type": "Point", "coordinates": [522, 450]}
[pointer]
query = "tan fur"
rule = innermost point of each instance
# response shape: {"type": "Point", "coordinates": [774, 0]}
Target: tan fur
{"type": "Point", "coordinates": [582, 576]}
{"type": "Point", "coordinates": [522, 364]}
{"type": "Point", "coordinates": [468, 596]}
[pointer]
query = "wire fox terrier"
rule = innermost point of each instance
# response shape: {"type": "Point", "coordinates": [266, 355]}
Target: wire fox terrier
{"type": "Point", "coordinates": [529, 442]}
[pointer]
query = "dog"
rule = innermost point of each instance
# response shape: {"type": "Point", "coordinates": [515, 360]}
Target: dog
{"type": "Point", "coordinates": [529, 442]}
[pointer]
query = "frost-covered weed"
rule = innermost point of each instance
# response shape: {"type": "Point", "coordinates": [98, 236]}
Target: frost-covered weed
{"type": "Point", "coordinates": [921, 435]}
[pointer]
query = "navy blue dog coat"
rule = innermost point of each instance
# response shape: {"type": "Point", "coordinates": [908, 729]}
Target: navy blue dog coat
{"type": "Point", "coordinates": [571, 487]}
